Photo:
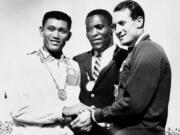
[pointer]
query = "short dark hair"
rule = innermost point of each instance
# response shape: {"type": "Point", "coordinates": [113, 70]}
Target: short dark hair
{"type": "Point", "coordinates": [134, 7]}
{"type": "Point", "coordinates": [57, 15]}
{"type": "Point", "coordinates": [102, 12]}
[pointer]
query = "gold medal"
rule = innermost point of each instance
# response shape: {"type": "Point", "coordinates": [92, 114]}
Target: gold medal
{"type": "Point", "coordinates": [62, 94]}
{"type": "Point", "coordinates": [90, 85]}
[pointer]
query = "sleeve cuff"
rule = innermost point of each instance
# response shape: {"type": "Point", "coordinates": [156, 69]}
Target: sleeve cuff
{"type": "Point", "coordinates": [96, 115]}
{"type": "Point", "coordinates": [92, 116]}
{"type": "Point", "coordinates": [58, 112]}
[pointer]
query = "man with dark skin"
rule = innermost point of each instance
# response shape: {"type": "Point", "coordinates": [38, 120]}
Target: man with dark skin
{"type": "Point", "coordinates": [98, 89]}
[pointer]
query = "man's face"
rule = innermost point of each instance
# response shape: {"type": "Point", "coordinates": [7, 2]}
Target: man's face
{"type": "Point", "coordinates": [55, 34]}
{"type": "Point", "coordinates": [125, 27]}
{"type": "Point", "coordinates": [99, 32]}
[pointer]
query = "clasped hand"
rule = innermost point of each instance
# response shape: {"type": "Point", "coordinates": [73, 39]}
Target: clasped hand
{"type": "Point", "coordinates": [83, 120]}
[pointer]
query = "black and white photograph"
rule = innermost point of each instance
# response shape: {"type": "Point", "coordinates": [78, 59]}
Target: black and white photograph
{"type": "Point", "coordinates": [89, 67]}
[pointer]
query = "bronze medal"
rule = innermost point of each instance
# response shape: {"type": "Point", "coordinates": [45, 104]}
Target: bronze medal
{"type": "Point", "coordinates": [62, 94]}
{"type": "Point", "coordinates": [90, 85]}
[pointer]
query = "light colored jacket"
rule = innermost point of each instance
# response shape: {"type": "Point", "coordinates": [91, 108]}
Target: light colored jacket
{"type": "Point", "coordinates": [35, 105]}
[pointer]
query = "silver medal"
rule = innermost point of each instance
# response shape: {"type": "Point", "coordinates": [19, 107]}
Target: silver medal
{"type": "Point", "coordinates": [90, 85]}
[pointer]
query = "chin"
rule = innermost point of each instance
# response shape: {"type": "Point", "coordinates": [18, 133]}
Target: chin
{"type": "Point", "coordinates": [124, 43]}
{"type": "Point", "coordinates": [54, 49]}
{"type": "Point", "coordinates": [97, 47]}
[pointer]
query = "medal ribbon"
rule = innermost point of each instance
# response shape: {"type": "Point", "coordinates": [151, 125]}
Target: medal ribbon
{"type": "Point", "coordinates": [61, 91]}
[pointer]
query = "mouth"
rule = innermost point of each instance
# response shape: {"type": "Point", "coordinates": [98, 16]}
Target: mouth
{"type": "Point", "coordinates": [55, 41]}
{"type": "Point", "coordinates": [121, 36]}
{"type": "Point", "coordinates": [97, 40]}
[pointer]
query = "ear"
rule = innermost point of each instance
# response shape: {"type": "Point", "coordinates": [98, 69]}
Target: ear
{"type": "Point", "coordinates": [113, 27]}
{"type": "Point", "coordinates": [69, 36]}
{"type": "Point", "coordinates": [139, 22]}
{"type": "Point", "coordinates": [41, 31]}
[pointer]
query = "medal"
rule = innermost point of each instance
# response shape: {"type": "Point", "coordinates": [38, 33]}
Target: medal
{"type": "Point", "coordinates": [116, 88]}
{"type": "Point", "coordinates": [61, 89]}
{"type": "Point", "coordinates": [62, 94]}
{"type": "Point", "coordinates": [90, 85]}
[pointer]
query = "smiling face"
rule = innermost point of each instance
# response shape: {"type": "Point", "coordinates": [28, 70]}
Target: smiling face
{"type": "Point", "coordinates": [99, 32]}
{"type": "Point", "coordinates": [55, 34]}
{"type": "Point", "coordinates": [125, 27]}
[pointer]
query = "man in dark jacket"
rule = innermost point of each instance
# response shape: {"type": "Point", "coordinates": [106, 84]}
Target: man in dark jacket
{"type": "Point", "coordinates": [141, 107]}
{"type": "Point", "coordinates": [100, 66]}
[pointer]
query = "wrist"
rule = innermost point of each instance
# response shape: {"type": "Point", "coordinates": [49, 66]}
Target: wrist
{"type": "Point", "coordinates": [92, 110]}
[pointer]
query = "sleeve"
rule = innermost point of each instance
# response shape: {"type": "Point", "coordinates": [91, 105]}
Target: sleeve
{"type": "Point", "coordinates": [73, 77]}
{"type": "Point", "coordinates": [37, 113]}
{"type": "Point", "coordinates": [139, 83]}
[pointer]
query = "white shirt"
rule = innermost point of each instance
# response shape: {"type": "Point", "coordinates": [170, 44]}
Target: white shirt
{"type": "Point", "coordinates": [106, 57]}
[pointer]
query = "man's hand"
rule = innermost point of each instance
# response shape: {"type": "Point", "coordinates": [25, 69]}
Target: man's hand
{"type": "Point", "coordinates": [74, 110]}
{"type": "Point", "coordinates": [82, 121]}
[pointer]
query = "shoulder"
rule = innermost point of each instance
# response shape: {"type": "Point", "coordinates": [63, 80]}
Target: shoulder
{"type": "Point", "coordinates": [82, 57]}
{"type": "Point", "coordinates": [33, 58]}
{"type": "Point", "coordinates": [26, 61]}
{"type": "Point", "coordinates": [33, 54]}
{"type": "Point", "coordinates": [73, 77]}
{"type": "Point", "coordinates": [150, 52]}
{"type": "Point", "coordinates": [72, 64]}
{"type": "Point", "coordinates": [149, 47]}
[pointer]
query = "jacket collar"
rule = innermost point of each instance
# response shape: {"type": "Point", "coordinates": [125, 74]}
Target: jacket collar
{"type": "Point", "coordinates": [142, 37]}
{"type": "Point", "coordinates": [46, 56]}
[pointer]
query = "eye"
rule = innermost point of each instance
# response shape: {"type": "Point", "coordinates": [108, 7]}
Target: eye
{"type": "Point", "coordinates": [122, 23]}
{"type": "Point", "coordinates": [51, 28]}
{"type": "Point", "coordinates": [61, 30]}
{"type": "Point", "coordinates": [99, 26]}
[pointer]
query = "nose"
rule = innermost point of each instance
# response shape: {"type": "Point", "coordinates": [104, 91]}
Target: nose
{"type": "Point", "coordinates": [56, 34]}
{"type": "Point", "coordinates": [94, 32]}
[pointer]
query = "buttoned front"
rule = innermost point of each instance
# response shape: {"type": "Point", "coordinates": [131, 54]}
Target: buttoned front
{"type": "Point", "coordinates": [92, 95]}
{"type": "Point", "coordinates": [104, 86]}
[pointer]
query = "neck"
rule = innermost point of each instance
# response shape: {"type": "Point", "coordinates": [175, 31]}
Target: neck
{"type": "Point", "coordinates": [55, 54]}
{"type": "Point", "coordinates": [133, 44]}
{"type": "Point", "coordinates": [110, 44]}
{"type": "Point", "coordinates": [139, 33]}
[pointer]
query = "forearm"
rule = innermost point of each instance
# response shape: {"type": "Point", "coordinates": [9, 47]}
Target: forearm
{"type": "Point", "coordinates": [45, 111]}
{"type": "Point", "coordinates": [37, 114]}
{"type": "Point", "coordinates": [119, 109]}
{"type": "Point", "coordinates": [139, 82]}
{"type": "Point", "coordinates": [74, 109]}
{"type": "Point", "coordinates": [130, 105]}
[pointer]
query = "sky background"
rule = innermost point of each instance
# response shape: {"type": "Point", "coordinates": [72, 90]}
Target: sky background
{"type": "Point", "coordinates": [20, 21]}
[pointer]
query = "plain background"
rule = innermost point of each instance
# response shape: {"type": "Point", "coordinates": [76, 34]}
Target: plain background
{"type": "Point", "coordinates": [20, 21]}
